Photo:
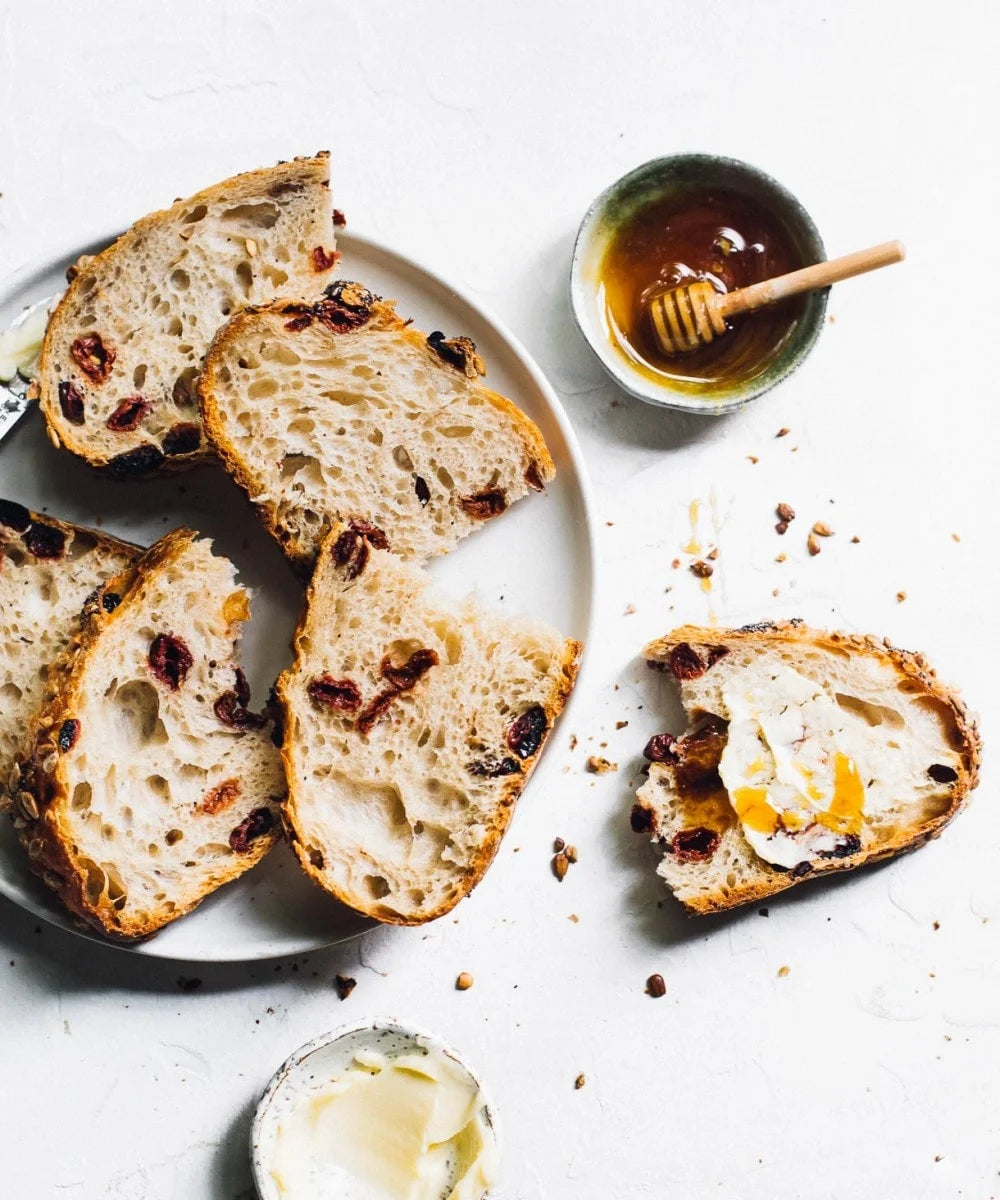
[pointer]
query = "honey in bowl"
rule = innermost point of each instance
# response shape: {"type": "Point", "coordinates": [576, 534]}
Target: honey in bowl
{"type": "Point", "coordinates": [685, 234]}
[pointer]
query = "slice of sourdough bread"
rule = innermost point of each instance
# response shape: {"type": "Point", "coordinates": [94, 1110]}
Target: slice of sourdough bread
{"type": "Point", "coordinates": [410, 727]}
{"type": "Point", "coordinates": [124, 346]}
{"type": "Point", "coordinates": [150, 783]}
{"type": "Point", "coordinates": [342, 411]}
{"type": "Point", "coordinates": [836, 750]}
{"type": "Point", "coordinates": [48, 568]}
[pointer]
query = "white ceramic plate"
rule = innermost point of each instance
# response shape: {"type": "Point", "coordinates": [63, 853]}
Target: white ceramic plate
{"type": "Point", "coordinates": [539, 559]}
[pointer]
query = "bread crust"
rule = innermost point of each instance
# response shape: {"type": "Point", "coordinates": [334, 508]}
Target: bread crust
{"type": "Point", "coordinates": [383, 318]}
{"type": "Point", "coordinates": [61, 432]}
{"type": "Point", "coordinates": [553, 706]}
{"type": "Point", "coordinates": [45, 833]}
{"type": "Point", "coordinates": [961, 731]}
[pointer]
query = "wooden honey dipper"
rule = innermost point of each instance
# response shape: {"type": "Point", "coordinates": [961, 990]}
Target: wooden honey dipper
{"type": "Point", "coordinates": [690, 316]}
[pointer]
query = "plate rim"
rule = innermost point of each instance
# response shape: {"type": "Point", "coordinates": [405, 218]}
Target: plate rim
{"type": "Point", "coordinates": [52, 258]}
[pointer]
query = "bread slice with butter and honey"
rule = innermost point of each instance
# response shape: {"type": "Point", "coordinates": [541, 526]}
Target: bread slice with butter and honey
{"type": "Point", "coordinates": [124, 346]}
{"type": "Point", "coordinates": [807, 752]}
{"type": "Point", "coordinates": [48, 568]}
{"type": "Point", "coordinates": [150, 782]}
{"type": "Point", "coordinates": [343, 411]}
{"type": "Point", "coordinates": [410, 727]}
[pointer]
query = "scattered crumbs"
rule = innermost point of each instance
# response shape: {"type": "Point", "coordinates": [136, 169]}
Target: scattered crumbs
{"type": "Point", "coordinates": [560, 864]}
{"type": "Point", "coordinates": [831, 319]}
{"type": "Point", "coordinates": [938, 1157]}
{"type": "Point", "coordinates": [463, 982]}
{"type": "Point", "coordinates": [783, 971]}
{"type": "Point", "coordinates": [558, 845]}
{"type": "Point", "coordinates": [781, 528]}
{"type": "Point", "coordinates": [713, 554]}
{"type": "Point", "coordinates": [676, 563]}
{"type": "Point", "coordinates": [785, 512]}
{"type": "Point", "coordinates": [629, 609]}
{"type": "Point", "coordinates": [620, 724]}
{"type": "Point", "coordinates": [784, 431]}
{"type": "Point", "coordinates": [937, 926]}
{"type": "Point", "coordinates": [344, 985]}
{"type": "Point", "coordinates": [780, 557]}
{"type": "Point", "coordinates": [753, 458]}
{"type": "Point", "coordinates": [573, 741]}
{"type": "Point", "coordinates": [516, 850]}
{"type": "Point", "coordinates": [580, 1080]}
{"type": "Point", "coordinates": [574, 918]}
{"type": "Point", "coordinates": [701, 568]}
{"type": "Point", "coordinates": [185, 984]}
{"type": "Point", "coordinates": [609, 523]}
{"type": "Point", "coordinates": [763, 912]}
{"type": "Point", "coordinates": [571, 854]}
{"type": "Point", "coordinates": [775, 591]}
{"type": "Point", "coordinates": [955, 537]}
{"type": "Point", "coordinates": [855, 540]}
{"type": "Point", "coordinates": [812, 544]}
{"type": "Point", "coordinates": [655, 986]}
{"type": "Point", "coordinates": [900, 597]}
{"type": "Point", "coordinates": [821, 529]}
{"type": "Point", "coordinates": [597, 765]}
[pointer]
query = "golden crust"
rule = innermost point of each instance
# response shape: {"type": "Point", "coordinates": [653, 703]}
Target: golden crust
{"type": "Point", "coordinates": [384, 318]}
{"type": "Point", "coordinates": [47, 837]}
{"type": "Point", "coordinates": [60, 431]}
{"type": "Point", "coordinates": [962, 734]}
{"type": "Point", "coordinates": [505, 809]}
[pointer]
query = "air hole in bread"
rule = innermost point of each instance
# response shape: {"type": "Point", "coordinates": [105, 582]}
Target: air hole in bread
{"type": "Point", "coordinates": [139, 375]}
{"type": "Point", "coordinates": [180, 280]}
{"type": "Point", "coordinates": [175, 328]}
{"type": "Point", "coordinates": [108, 833]}
{"type": "Point", "coordinates": [244, 277]}
{"type": "Point", "coordinates": [291, 464]}
{"type": "Point", "coordinates": [378, 886]}
{"type": "Point", "coordinates": [445, 479]}
{"type": "Point", "coordinates": [261, 389]}
{"type": "Point", "coordinates": [941, 773]}
{"type": "Point", "coordinates": [158, 786]}
{"type": "Point", "coordinates": [262, 215]}
{"type": "Point", "coordinates": [275, 277]}
{"type": "Point", "coordinates": [82, 796]}
{"type": "Point", "coordinates": [95, 880]}
{"type": "Point", "coordinates": [198, 213]}
{"type": "Point", "coordinates": [872, 714]}
{"type": "Point", "coordinates": [10, 693]}
{"type": "Point", "coordinates": [225, 308]}
{"type": "Point", "coordinates": [137, 713]}
{"type": "Point", "coordinates": [173, 836]}
{"type": "Point", "coordinates": [457, 431]}
{"type": "Point", "coordinates": [279, 353]}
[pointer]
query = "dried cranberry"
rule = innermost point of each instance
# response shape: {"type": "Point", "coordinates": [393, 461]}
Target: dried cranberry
{"type": "Point", "coordinates": [242, 687]}
{"type": "Point", "coordinates": [350, 550]}
{"type": "Point", "coordinates": [715, 653]}
{"type": "Point", "coordinates": [697, 756]}
{"type": "Point", "coordinates": [686, 662]}
{"type": "Point", "coordinates": [458, 352]}
{"type": "Point", "coordinates": [128, 415]}
{"type": "Point", "coordinates": [71, 402]}
{"type": "Point", "coordinates": [533, 477]}
{"type": "Point", "coordinates": [302, 321]}
{"type": "Point", "coordinates": [527, 733]}
{"type": "Point", "coordinates": [695, 845]}
{"type": "Point", "coordinates": [850, 845]}
{"type": "Point", "coordinates": [170, 660]}
{"type": "Point", "coordinates": [93, 357]}
{"type": "Point", "coordinates": [492, 768]}
{"type": "Point", "coordinates": [339, 220]}
{"type": "Point", "coordinates": [259, 822]}
{"type": "Point", "coordinates": [221, 797]}
{"type": "Point", "coordinates": [345, 306]}
{"type": "Point", "coordinates": [371, 533]}
{"type": "Point", "coordinates": [110, 601]}
{"type": "Point", "coordinates": [641, 819]}
{"type": "Point", "coordinates": [422, 490]}
{"type": "Point", "coordinates": [233, 712]}
{"type": "Point", "coordinates": [484, 505]}
{"type": "Point", "coordinates": [374, 709]}
{"type": "Point", "coordinates": [941, 773]}
{"type": "Point", "coordinates": [323, 260]}
{"type": "Point", "coordinates": [801, 870]}
{"type": "Point", "coordinates": [344, 695]}
{"type": "Point", "coordinates": [140, 461]}
{"type": "Point", "coordinates": [345, 984]}
{"type": "Point", "coordinates": [660, 748]}
{"type": "Point", "coordinates": [181, 439]}
{"type": "Point", "coordinates": [69, 735]}
{"type": "Point", "coordinates": [45, 541]}
{"type": "Point", "coordinates": [404, 677]}
{"type": "Point", "coordinates": [14, 516]}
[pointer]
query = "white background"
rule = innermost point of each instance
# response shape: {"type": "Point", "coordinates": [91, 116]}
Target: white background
{"type": "Point", "coordinates": [474, 136]}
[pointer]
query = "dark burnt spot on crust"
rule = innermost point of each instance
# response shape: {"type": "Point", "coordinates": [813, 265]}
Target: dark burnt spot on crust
{"type": "Point", "coordinates": [484, 505]}
{"type": "Point", "coordinates": [45, 541]}
{"type": "Point", "coordinates": [527, 733]}
{"type": "Point", "coordinates": [343, 695]}
{"type": "Point", "coordinates": [259, 822]}
{"type": "Point", "coordinates": [323, 260]}
{"type": "Point", "coordinates": [220, 798]}
{"type": "Point", "coordinates": [422, 490]}
{"type": "Point", "coordinates": [641, 819]}
{"type": "Point", "coordinates": [404, 677]}
{"type": "Point", "coordinates": [184, 438]}
{"type": "Point", "coordinates": [169, 660]}
{"type": "Point", "coordinates": [941, 773]}
{"type": "Point", "coordinates": [71, 402]}
{"type": "Point", "coordinates": [533, 477]}
{"type": "Point", "coordinates": [140, 461]}
{"type": "Point", "coordinates": [94, 358]}
{"type": "Point", "coordinates": [15, 516]}
{"type": "Point", "coordinates": [459, 352]}
{"type": "Point", "coordinates": [110, 601]}
{"type": "Point", "coordinates": [493, 768]}
{"type": "Point", "coordinates": [694, 845]}
{"type": "Point", "coordinates": [660, 748]}
{"type": "Point", "coordinates": [316, 858]}
{"type": "Point", "coordinates": [69, 734]}
{"type": "Point", "coordinates": [128, 415]}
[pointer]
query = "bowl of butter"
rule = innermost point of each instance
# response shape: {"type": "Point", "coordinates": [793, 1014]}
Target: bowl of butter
{"type": "Point", "coordinates": [378, 1111]}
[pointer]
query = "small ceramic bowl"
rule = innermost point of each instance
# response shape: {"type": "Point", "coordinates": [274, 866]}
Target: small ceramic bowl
{"type": "Point", "coordinates": [690, 173]}
{"type": "Point", "coordinates": [324, 1059]}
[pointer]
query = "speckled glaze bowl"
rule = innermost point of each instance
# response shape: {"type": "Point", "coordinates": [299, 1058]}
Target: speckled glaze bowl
{"type": "Point", "coordinates": [690, 172]}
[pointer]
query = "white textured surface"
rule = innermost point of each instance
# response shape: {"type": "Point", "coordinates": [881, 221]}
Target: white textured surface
{"type": "Point", "coordinates": [474, 137]}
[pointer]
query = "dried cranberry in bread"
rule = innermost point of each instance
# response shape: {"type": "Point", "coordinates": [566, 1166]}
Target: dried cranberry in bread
{"type": "Point", "coordinates": [150, 781]}
{"type": "Point", "coordinates": [341, 410]}
{"type": "Point", "coordinates": [410, 727]}
{"type": "Point", "coordinates": [808, 752]}
{"type": "Point", "coordinates": [124, 347]}
{"type": "Point", "coordinates": [48, 568]}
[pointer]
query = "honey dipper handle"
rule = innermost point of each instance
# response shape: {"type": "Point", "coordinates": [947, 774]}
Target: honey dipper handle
{"type": "Point", "coordinates": [820, 275]}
